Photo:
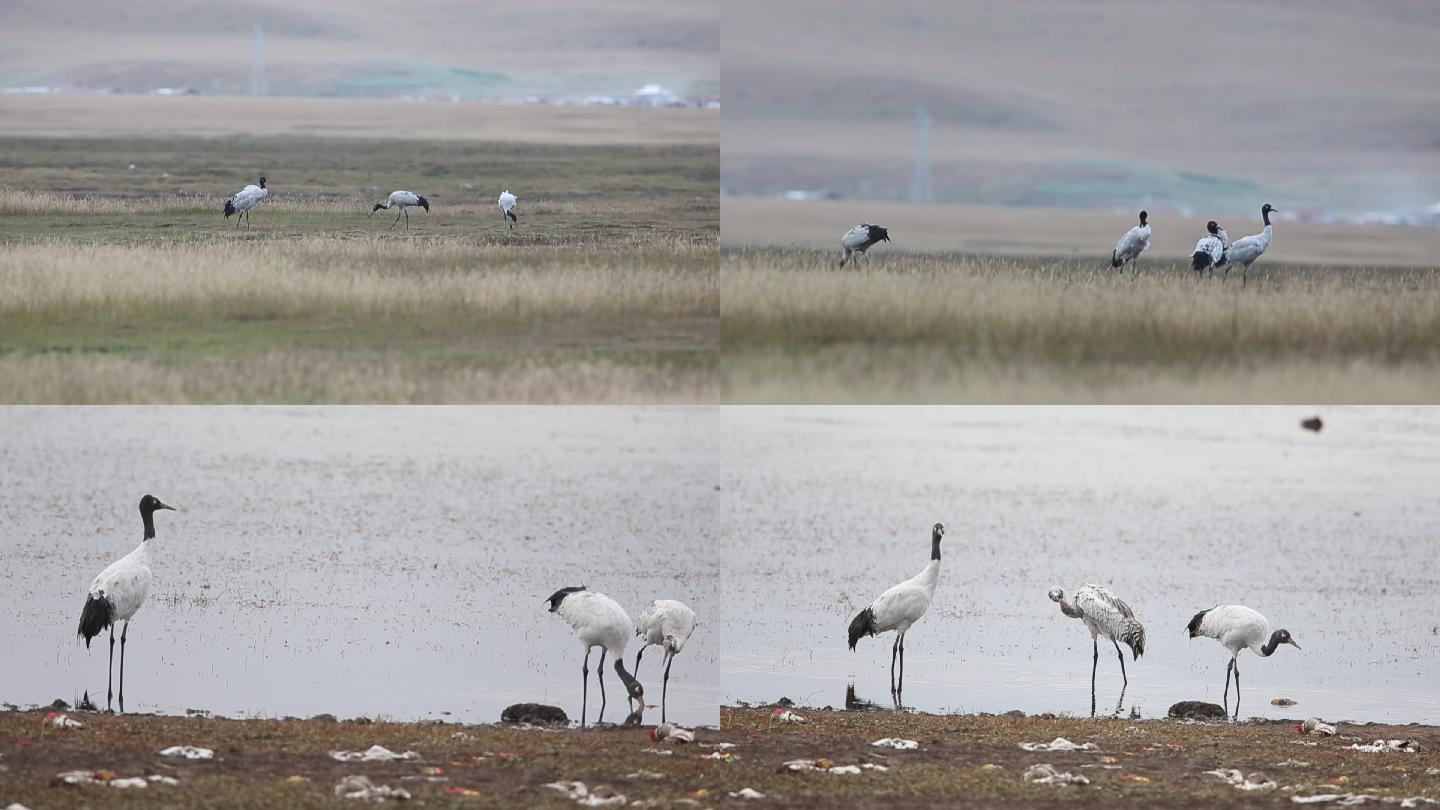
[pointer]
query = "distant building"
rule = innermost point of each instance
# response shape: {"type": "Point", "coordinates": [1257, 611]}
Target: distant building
{"type": "Point", "coordinates": [653, 95]}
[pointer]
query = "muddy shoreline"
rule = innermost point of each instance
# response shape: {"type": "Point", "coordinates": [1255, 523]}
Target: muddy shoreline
{"type": "Point", "coordinates": [960, 759]}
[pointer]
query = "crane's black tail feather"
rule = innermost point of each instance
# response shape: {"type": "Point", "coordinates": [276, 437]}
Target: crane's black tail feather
{"type": "Point", "coordinates": [94, 618]}
{"type": "Point", "coordinates": [862, 625]}
{"type": "Point", "coordinates": [1194, 626]}
{"type": "Point", "coordinates": [1199, 261]}
{"type": "Point", "coordinates": [229, 208]}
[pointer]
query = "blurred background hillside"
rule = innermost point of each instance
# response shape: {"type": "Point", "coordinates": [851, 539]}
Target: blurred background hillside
{"type": "Point", "coordinates": [612, 52]}
{"type": "Point", "coordinates": [1327, 108]}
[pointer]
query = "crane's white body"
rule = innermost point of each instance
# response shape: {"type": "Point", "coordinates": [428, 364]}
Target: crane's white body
{"type": "Point", "coordinates": [403, 199]}
{"type": "Point", "coordinates": [245, 201]}
{"type": "Point", "coordinates": [1103, 613]}
{"type": "Point", "coordinates": [1214, 246]}
{"type": "Point", "coordinates": [1131, 245]}
{"type": "Point", "coordinates": [1245, 251]}
{"type": "Point", "coordinates": [902, 605]}
{"type": "Point", "coordinates": [125, 583]}
{"type": "Point", "coordinates": [859, 239]}
{"type": "Point", "coordinates": [665, 623]}
{"type": "Point", "coordinates": [507, 208]}
{"type": "Point", "coordinates": [1236, 627]}
{"type": "Point", "coordinates": [598, 621]}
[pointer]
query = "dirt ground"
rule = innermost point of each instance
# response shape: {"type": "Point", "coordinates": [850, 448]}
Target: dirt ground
{"type": "Point", "coordinates": [961, 760]}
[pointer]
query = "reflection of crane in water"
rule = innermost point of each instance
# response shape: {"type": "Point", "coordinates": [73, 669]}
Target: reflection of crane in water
{"type": "Point", "coordinates": [1104, 614]}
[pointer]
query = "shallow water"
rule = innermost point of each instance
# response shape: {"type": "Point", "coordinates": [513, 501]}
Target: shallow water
{"type": "Point", "coordinates": [1331, 535]}
{"type": "Point", "coordinates": [357, 561]}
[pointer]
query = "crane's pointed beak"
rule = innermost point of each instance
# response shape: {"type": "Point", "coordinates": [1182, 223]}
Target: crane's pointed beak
{"type": "Point", "coordinates": [1292, 643]}
{"type": "Point", "coordinates": [164, 505]}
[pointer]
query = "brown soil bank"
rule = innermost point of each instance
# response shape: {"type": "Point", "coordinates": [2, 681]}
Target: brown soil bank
{"type": "Point", "coordinates": [977, 760]}
{"type": "Point", "coordinates": [287, 763]}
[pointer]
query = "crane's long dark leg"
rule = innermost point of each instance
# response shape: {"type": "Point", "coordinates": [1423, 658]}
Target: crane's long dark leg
{"type": "Point", "coordinates": [125, 631]}
{"type": "Point", "coordinates": [1094, 665]}
{"type": "Point", "coordinates": [406, 212]}
{"type": "Point", "coordinates": [1228, 668]}
{"type": "Point", "coordinates": [110, 679]}
{"type": "Point", "coordinates": [584, 684]}
{"type": "Point", "coordinates": [1237, 691]}
{"type": "Point", "coordinates": [900, 687]}
{"type": "Point", "coordinates": [894, 651]}
{"type": "Point", "coordinates": [1123, 676]}
{"type": "Point", "coordinates": [396, 222]}
{"type": "Point", "coordinates": [600, 674]}
{"type": "Point", "coordinates": [665, 688]}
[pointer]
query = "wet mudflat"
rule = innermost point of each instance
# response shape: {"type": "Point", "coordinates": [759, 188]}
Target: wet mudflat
{"type": "Point", "coordinates": [356, 561]}
{"type": "Point", "coordinates": [1330, 535]}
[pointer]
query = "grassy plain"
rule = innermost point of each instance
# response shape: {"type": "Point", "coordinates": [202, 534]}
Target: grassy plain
{"type": "Point", "coordinates": [1035, 313]}
{"type": "Point", "coordinates": [121, 285]}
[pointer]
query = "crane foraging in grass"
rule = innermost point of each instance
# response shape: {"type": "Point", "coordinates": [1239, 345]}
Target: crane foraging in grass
{"type": "Point", "coordinates": [861, 238]}
{"type": "Point", "coordinates": [1210, 250]}
{"type": "Point", "coordinates": [667, 624]}
{"type": "Point", "coordinates": [1237, 627]}
{"type": "Point", "coordinates": [507, 208]}
{"type": "Point", "coordinates": [599, 621]}
{"type": "Point", "coordinates": [245, 201]}
{"type": "Point", "coordinates": [117, 593]}
{"type": "Point", "coordinates": [402, 200]}
{"type": "Point", "coordinates": [900, 607]}
{"type": "Point", "coordinates": [1245, 251]}
{"type": "Point", "coordinates": [1104, 614]}
{"type": "Point", "coordinates": [1132, 244]}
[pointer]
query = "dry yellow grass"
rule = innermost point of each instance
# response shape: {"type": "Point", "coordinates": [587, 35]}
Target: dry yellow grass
{"type": "Point", "coordinates": [966, 329]}
{"type": "Point", "coordinates": [374, 277]}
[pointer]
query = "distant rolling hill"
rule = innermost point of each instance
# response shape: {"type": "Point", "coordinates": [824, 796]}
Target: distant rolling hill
{"type": "Point", "coordinates": [1327, 105]}
{"type": "Point", "coordinates": [501, 48]}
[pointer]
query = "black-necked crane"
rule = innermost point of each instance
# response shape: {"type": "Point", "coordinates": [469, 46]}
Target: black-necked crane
{"type": "Point", "coordinates": [1237, 627]}
{"type": "Point", "coordinates": [1245, 251]}
{"type": "Point", "coordinates": [117, 593]}
{"type": "Point", "coordinates": [1132, 244]}
{"type": "Point", "coordinates": [507, 208]}
{"type": "Point", "coordinates": [900, 607]}
{"type": "Point", "coordinates": [245, 201]}
{"type": "Point", "coordinates": [402, 200]}
{"type": "Point", "coordinates": [667, 624]}
{"type": "Point", "coordinates": [599, 621]}
{"type": "Point", "coordinates": [1210, 250]}
{"type": "Point", "coordinates": [1104, 614]}
{"type": "Point", "coordinates": [861, 238]}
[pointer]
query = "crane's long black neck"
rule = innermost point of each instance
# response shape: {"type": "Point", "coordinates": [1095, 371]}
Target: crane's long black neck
{"type": "Point", "coordinates": [934, 545]}
{"type": "Point", "coordinates": [148, 515]}
{"type": "Point", "coordinates": [625, 677]}
{"type": "Point", "coordinates": [1269, 648]}
{"type": "Point", "coordinates": [1265, 215]}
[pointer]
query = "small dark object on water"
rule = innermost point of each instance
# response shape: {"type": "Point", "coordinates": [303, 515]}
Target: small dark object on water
{"type": "Point", "coordinates": [1198, 710]}
{"type": "Point", "coordinates": [1313, 423]}
{"type": "Point", "coordinates": [324, 718]}
{"type": "Point", "coordinates": [1282, 702]}
{"type": "Point", "coordinates": [536, 714]}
